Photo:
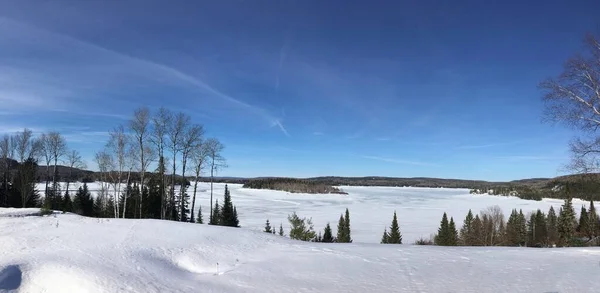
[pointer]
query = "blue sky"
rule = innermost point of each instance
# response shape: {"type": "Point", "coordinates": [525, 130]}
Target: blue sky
{"type": "Point", "coordinates": [304, 88]}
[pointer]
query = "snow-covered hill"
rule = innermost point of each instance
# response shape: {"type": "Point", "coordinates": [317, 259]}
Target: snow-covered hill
{"type": "Point", "coordinates": [69, 253]}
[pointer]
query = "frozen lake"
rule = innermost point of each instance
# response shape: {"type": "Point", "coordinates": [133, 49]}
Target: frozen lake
{"type": "Point", "coordinates": [419, 210]}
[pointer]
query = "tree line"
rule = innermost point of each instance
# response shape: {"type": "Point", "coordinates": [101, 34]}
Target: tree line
{"type": "Point", "coordinates": [129, 187]}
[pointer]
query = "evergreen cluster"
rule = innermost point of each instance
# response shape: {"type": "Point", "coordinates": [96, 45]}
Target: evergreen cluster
{"type": "Point", "coordinates": [393, 236]}
{"type": "Point", "coordinates": [225, 215]}
{"type": "Point", "coordinates": [343, 231]}
{"type": "Point", "coordinates": [292, 185]}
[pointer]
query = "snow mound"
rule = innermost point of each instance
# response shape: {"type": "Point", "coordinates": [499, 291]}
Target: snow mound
{"type": "Point", "coordinates": [69, 253]}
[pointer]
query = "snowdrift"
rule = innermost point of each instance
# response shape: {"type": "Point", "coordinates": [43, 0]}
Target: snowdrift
{"type": "Point", "coordinates": [69, 253]}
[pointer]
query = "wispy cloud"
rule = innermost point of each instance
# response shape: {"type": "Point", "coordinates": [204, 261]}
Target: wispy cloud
{"type": "Point", "coordinates": [530, 158]}
{"type": "Point", "coordinates": [278, 123]}
{"type": "Point", "coordinates": [398, 161]}
{"type": "Point", "coordinates": [383, 139]}
{"type": "Point", "coordinates": [488, 145]}
{"type": "Point", "coordinates": [282, 56]}
{"type": "Point", "coordinates": [318, 133]}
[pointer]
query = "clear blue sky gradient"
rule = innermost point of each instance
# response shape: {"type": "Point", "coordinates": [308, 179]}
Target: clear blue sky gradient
{"type": "Point", "coordinates": [304, 88]}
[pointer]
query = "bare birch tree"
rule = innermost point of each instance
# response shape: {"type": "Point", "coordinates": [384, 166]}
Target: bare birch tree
{"type": "Point", "coordinates": [199, 158]}
{"type": "Point", "coordinates": [5, 154]}
{"type": "Point", "coordinates": [26, 148]}
{"type": "Point", "coordinates": [175, 134]}
{"type": "Point", "coordinates": [160, 123]}
{"type": "Point", "coordinates": [573, 98]}
{"type": "Point", "coordinates": [58, 148]}
{"type": "Point", "coordinates": [140, 126]}
{"type": "Point", "coordinates": [118, 145]}
{"type": "Point", "coordinates": [105, 164]}
{"type": "Point", "coordinates": [192, 139]}
{"type": "Point", "coordinates": [74, 161]}
{"type": "Point", "coordinates": [46, 152]}
{"type": "Point", "coordinates": [214, 150]}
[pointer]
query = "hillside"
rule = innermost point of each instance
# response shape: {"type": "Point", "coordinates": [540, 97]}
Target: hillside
{"type": "Point", "coordinates": [69, 253]}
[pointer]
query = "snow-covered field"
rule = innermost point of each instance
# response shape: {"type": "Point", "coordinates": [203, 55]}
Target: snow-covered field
{"type": "Point", "coordinates": [69, 253]}
{"type": "Point", "coordinates": [419, 210]}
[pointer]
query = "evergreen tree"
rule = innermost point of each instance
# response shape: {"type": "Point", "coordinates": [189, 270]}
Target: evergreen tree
{"type": "Point", "coordinates": [83, 203]}
{"type": "Point", "coordinates": [216, 214]}
{"type": "Point", "coordinates": [512, 229]}
{"type": "Point", "coordinates": [522, 223]}
{"type": "Point", "coordinates": [477, 231]}
{"type": "Point", "coordinates": [531, 230]}
{"type": "Point", "coordinates": [236, 221]}
{"type": "Point", "coordinates": [347, 233]}
{"type": "Point", "coordinates": [228, 213]}
{"type": "Point", "coordinates": [301, 229]}
{"type": "Point", "coordinates": [67, 204]}
{"type": "Point", "coordinates": [394, 236]}
{"type": "Point", "coordinates": [281, 230]}
{"type": "Point", "coordinates": [268, 227]}
{"type": "Point", "coordinates": [541, 232]}
{"type": "Point", "coordinates": [593, 224]}
{"type": "Point", "coordinates": [341, 229]}
{"type": "Point", "coordinates": [452, 233]}
{"type": "Point", "coordinates": [566, 223]}
{"type": "Point", "coordinates": [385, 237]}
{"type": "Point", "coordinates": [552, 225]}
{"type": "Point", "coordinates": [443, 236]}
{"type": "Point", "coordinates": [319, 238]}
{"type": "Point", "coordinates": [199, 217]}
{"type": "Point", "coordinates": [583, 226]}
{"type": "Point", "coordinates": [466, 232]}
{"type": "Point", "coordinates": [327, 234]}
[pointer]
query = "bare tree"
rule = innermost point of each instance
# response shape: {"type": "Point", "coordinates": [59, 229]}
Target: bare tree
{"type": "Point", "coordinates": [176, 132]}
{"type": "Point", "coordinates": [192, 139]}
{"type": "Point", "coordinates": [199, 158]}
{"type": "Point", "coordinates": [74, 161]}
{"type": "Point", "coordinates": [118, 145]}
{"type": "Point", "coordinates": [132, 160]}
{"type": "Point", "coordinates": [573, 98]}
{"type": "Point", "coordinates": [214, 149]}
{"type": "Point", "coordinates": [105, 164]}
{"type": "Point", "coordinates": [27, 149]}
{"type": "Point", "coordinates": [46, 153]}
{"type": "Point", "coordinates": [141, 130]}
{"type": "Point", "coordinates": [161, 122]}
{"type": "Point", "coordinates": [58, 148]}
{"type": "Point", "coordinates": [494, 218]}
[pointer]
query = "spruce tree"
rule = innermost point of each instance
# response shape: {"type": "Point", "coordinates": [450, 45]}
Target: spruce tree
{"type": "Point", "coordinates": [235, 222]}
{"type": "Point", "coordinates": [466, 232]}
{"type": "Point", "coordinates": [347, 232]}
{"type": "Point", "coordinates": [593, 224]}
{"type": "Point", "coordinates": [512, 229]}
{"type": "Point", "coordinates": [452, 233]}
{"type": "Point", "coordinates": [477, 231]}
{"type": "Point", "coordinates": [385, 237]}
{"type": "Point", "coordinates": [268, 227]}
{"type": "Point", "coordinates": [67, 204]}
{"type": "Point", "coordinates": [394, 236]}
{"type": "Point", "coordinates": [541, 232]}
{"type": "Point", "coordinates": [301, 229]}
{"type": "Point", "coordinates": [566, 223]}
{"type": "Point", "coordinates": [281, 233]}
{"type": "Point", "coordinates": [443, 236]}
{"type": "Point", "coordinates": [199, 217]}
{"type": "Point", "coordinates": [583, 226]}
{"type": "Point", "coordinates": [552, 225]}
{"type": "Point", "coordinates": [531, 230]}
{"type": "Point", "coordinates": [216, 214]}
{"type": "Point", "coordinates": [522, 222]}
{"type": "Point", "coordinates": [341, 229]}
{"type": "Point", "coordinates": [327, 234]}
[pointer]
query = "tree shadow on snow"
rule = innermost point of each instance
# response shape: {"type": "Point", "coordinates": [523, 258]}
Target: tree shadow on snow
{"type": "Point", "coordinates": [10, 278]}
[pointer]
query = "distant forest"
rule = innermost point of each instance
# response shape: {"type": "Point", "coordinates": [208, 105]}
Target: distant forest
{"type": "Point", "coordinates": [292, 185]}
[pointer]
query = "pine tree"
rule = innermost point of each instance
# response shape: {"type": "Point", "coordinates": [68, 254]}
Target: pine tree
{"type": "Point", "coordinates": [347, 232]}
{"type": "Point", "coordinates": [199, 217]}
{"type": "Point", "coordinates": [477, 231]}
{"type": "Point", "coordinates": [466, 232]}
{"type": "Point", "coordinates": [67, 204]}
{"type": "Point", "coordinates": [552, 225]}
{"type": "Point", "coordinates": [236, 221]}
{"type": "Point", "coordinates": [452, 233]}
{"type": "Point", "coordinates": [522, 223]}
{"type": "Point", "coordinates": [385, 238]}
{"type": "Point", "coordinates": [301, 229]}
{"type": "Point", "coordinates": [394, 236]}
{"type": "Point", "coordinates": [566, 223]}
{"type": "Point", "coordinates": [216, 214]}
{"type": "Point", "coordinates": [593, 224]}
{"type": "Point", "coordinates": [443, 236]}
{"type": "Point", "coordinates": [281, 230]}
{"type": "Point", "coordinates": [541, 232]}
{"type": "Point", "coordinates": [531, 230]}
{"type": "Point", "coordinates": [327, 234]}
{"type": "Point", "coordinates": [268, 227]}
{"type": "Point", "coordinates": [228, 212]}
{"type": "Point", "coordinates": [512, 229]}
{"type": "Point", "coordinates": [341, 229]}
{"type": "Point", "coordinates": [583, 226]}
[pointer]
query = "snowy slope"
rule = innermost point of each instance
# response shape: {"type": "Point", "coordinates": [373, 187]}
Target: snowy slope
{"type": "Point", "coordinates": [371, 208]}
{"type": "Point", "coordinates": [69, 253]}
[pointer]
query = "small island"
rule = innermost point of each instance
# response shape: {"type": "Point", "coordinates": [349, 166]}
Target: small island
{"type": "Point", "coordinates": [292, 185]}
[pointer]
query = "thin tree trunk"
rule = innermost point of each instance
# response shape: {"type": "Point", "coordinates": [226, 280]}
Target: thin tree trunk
{"type": "Point", "coordinates": [182, 189]}
{"type": "Point", "coordinates": [126, 194]}
{"type": "Point", "coordinates": [141, 190]}
{"type": "Point", "coordinates": [194, 198]}
{"type": "Point", "coordinates": [47, 179]}
{"type": "Point", "coordinates": [173, 183]}
{"type": "Point", "coordinates": [212, 168]}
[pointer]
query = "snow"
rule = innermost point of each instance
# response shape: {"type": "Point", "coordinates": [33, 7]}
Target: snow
{"type": "Point", "coordinates": [419, 210]}
{"type": "Point", "coordinates": [70, 253]}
